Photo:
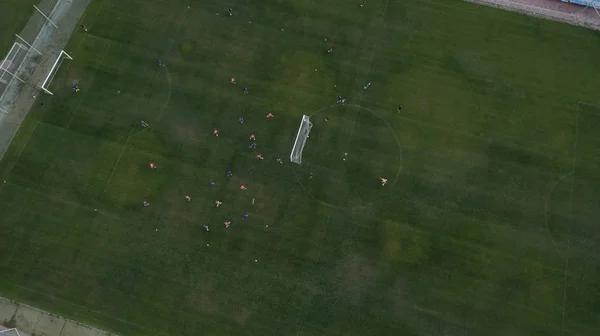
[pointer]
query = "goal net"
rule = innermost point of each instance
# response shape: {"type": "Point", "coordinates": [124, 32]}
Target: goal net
{"type": "Point", "coordinates": [9, 332]}
{"type": "Point", "coordinates": [10, 65]}
{"type": "Point", "coordinates": [301, 137]}
{"type": "Point", "coordinates": [54, 70]}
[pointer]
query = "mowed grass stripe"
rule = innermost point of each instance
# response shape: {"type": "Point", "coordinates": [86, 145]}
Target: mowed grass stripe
{"type": "Point", "coordinates": [580, 230]}
{"type": "Point", "coordinates": [485, 55]}
{"type": "Point", "coordinates": [128, 238]}
{"type": "Point", "coordinates": [59, 165]}
{"type": "Point", "coordinates": [433, 108]}
{"type": "Point", "coordinates": [493, 233]}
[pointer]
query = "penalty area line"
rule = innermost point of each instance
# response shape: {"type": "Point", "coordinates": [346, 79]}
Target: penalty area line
{"type": "Point", "coordinates": [305, 305]}
{"type": "Point", "coordinates": [116, 165]}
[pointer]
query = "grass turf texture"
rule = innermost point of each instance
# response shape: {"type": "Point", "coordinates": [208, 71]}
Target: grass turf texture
{"type": "Point", "coordinates": [489, 228]}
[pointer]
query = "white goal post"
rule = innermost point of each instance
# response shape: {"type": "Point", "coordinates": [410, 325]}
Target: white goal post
{"type": "Point", "coordinates": [301, 137]}
{"type": "Point", "coordinates": [10, 332]}
{"type": "Point", "coordinates": [54, 70]}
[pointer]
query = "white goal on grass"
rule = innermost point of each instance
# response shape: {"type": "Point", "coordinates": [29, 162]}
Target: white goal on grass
{"type": "Point", "coordinates": [303, 132]}
{"type": "Point", "coordinates": [54, 70]}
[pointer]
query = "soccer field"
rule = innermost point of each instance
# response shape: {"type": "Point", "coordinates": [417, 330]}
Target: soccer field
{"type": "Point", "coordinates": [488, 225]}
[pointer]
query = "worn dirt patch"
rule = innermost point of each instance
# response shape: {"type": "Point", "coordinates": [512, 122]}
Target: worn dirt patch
{"type": "Point", "coordinates": [355, 275]}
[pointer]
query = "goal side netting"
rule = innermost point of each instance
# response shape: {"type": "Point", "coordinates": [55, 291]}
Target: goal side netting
{"type": "Point", "coordinates": [10, 65]}
{"type": "Point", "coordinates": [9, 332]}
{"type": "Point", "coordinates": [301, 137]}
{"type": "Point", "coordinates": [54, 70]}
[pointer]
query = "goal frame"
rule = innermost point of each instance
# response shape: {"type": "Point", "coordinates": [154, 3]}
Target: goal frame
{"type": "Point", "coordinates": [300, 140]}
{"type": "Point", "coordinates": [62, 55]}
{"type": "Point", "coordinates": [6, 65]}
{"type": "Point", "coordinates": [10, 330]}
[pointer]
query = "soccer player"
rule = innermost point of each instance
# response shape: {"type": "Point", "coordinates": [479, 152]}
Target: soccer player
{"type": "Point", "coordinates": [330, 48]}
{"type": "Point", "coordinates": [211, 181]}
{"type": "Point", "coordinates": [228, 173]}
{"type": "Point", "coordinates": [152, 165]}
{"type": "Point", "coordinates": [233, 80]}
{"type": "Point", "coordinates": [159, 62]}
{"type": "Point", "coordinates": [364, 2]}
{"type": "Point", "coordinates": [75, 87]}
{"type": "Point", "coordinates": [310, 176]}
{"type": "Point", "coordinates": [339, 99]}
{"type": "Point", "coordinates": [252, 137]}
{"type": "Point", "coordinates": [344, 101]}
{"type": "Point", "coordinates": [270, 115]}
{"type": "Point", "coordinates": [399, 108]}
{"type": "Point", "coordinates": [252, 145]}
{"type": "Point", "coordinates": [226, 223]}
{"type": "Point", "coordinates": [230, 11]}
{"type": "Point", "coordinates": [368, 85]}
{"type": "Point", "coordinates": [383, 181]}
{"type": "Point", "coordinates": [280, 160]}
{"type": "Point", "coordinates": [83, 26]}
{"type": "Point", "coordinates": [145, 124]}
{"type": "Point", "coordinates": [245, 90]}
{"type": "Point", "coordinates": [188, 198]}
{"type": "Point", "coordinates": [241, 120]}
{"type": "Point", "coordinates": [326, 118]}
{"type": "Point", "coordinates": [218, 203]}
{"type": "Point", "coordinates": [259, 157]}
{"type": "Point", "coordinates": [216, 132]}
{"type": "Point", "coordinates": [144, 203]}
{"type": "Point", "coordinates": [245, 215]}
{"type": "Point", "coordinates": [242, 187]}
{"type": "Point", "coordinates": [205, 228]}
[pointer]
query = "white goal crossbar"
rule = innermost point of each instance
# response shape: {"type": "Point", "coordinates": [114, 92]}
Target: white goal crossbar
{"type": "Point", "coordinates": [10, 332]}
{"type": "Point", "coordinates": [301, 137]}
{"type": "Point", "coordinates": [53, 71]}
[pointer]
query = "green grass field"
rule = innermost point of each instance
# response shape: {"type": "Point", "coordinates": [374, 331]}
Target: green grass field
{"type": "Point", "coordinates": [488, 225]}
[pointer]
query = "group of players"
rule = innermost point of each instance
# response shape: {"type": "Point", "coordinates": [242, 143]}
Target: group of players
{"type": "Point", "coordinates": [228, 173]}
{"type": "Point", "coordinates": [252, 145]}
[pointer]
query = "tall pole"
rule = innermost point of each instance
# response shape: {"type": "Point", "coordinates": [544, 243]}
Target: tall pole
{"type": "Point", "coordinates": [47, 18]}
{"type": "Point", "coordinates": [30, 46]}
